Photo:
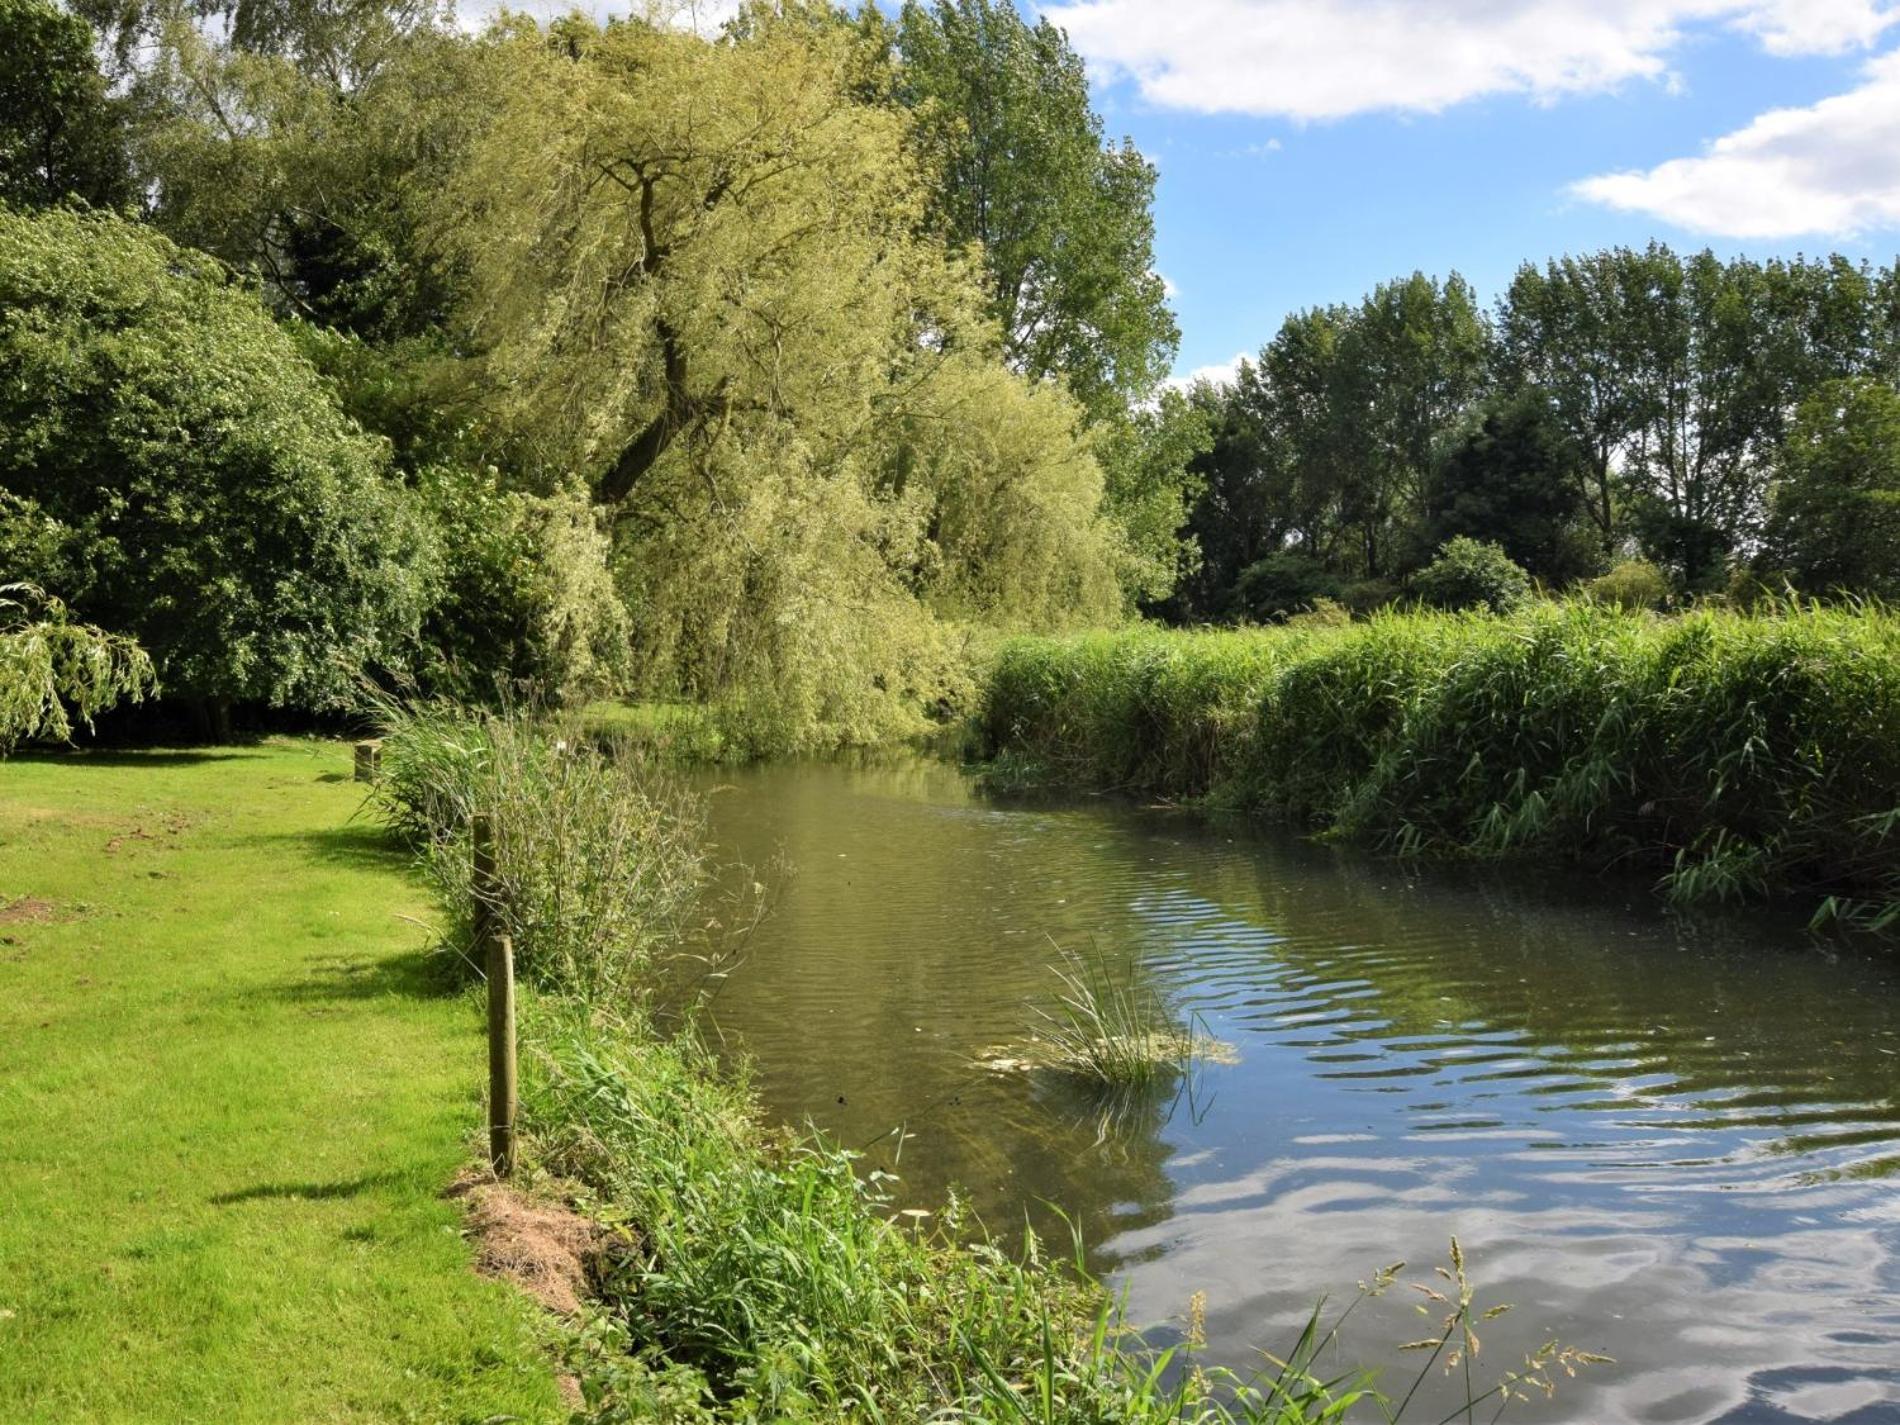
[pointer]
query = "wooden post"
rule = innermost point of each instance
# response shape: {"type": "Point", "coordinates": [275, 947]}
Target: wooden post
{"type": "Point", "coordinates": [369, 757]}
{"type": "Point", "coordinates": [497, 953]}
{"type": "Point", "coordinates": [501, 1055]}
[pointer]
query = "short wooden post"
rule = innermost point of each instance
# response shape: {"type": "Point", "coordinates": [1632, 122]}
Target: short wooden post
{"type": "Point", "coordinates": [369, 758]}
{"type": "Point", "coordinates": [501, 1055]}
{"type": "Point", "coordinates": [497, 953]}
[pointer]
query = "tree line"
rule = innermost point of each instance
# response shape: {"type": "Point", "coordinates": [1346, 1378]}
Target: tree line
{"type": "Point", "coordinates": [1730, 422]}
{"type": "Point", "coordinates": [766, 369]}
{"type": "Point", "coordinates": [782, 368]}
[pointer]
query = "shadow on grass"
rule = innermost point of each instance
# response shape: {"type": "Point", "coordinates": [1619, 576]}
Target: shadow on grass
{"type": "Point", "coordinates": [415, 974]}
{"type": "Point", "coordinates": [355, 846]}
{"type": "Point", "coordinates": [86, 757]}
{"type": "Point", "coordinates": [307, 1192]}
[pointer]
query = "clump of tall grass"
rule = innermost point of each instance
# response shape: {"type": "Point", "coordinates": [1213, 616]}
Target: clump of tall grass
{"type": "Point", "coordinates": [1113, 1029]}
{"type": "Point", "coordinates": [598, 854]}
{"type": "Point", "coordinates": [1739, 754]}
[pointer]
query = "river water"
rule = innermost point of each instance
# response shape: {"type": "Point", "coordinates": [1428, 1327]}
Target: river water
{"type": "Point", "coordinates": [1673, 1142]}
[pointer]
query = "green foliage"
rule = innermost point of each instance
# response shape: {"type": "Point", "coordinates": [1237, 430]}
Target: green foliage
{"type": "Point", "coordinates": [1834, 525]}
{"type": "Point", "coordinates": [1508, 477]}
{"type": "Point", "coordinates": [1619, 397]}
{"type": "Point", "coordinates": [1150, 486]}
{"type": "Point", "coordinates": [316, 182]}
{"type": "Point", "coordinates": [1470, 574]}
{"type": "Point", "coordinates": [598, 857]}
{"type": "Point", "coordinates": [183, 477]}
{"type": "Point", "coordinates": [697, 278]}
{"type": "Point", "coordinates": [1283, 584]}
{"type": "Point", "coordinates": [1631, 585]}
{"type": "Point", "coordinates": [527, 598]}
{"type": "Point", "coordinates": [1740, 755]}
{"type": "Point", "coordinates": [1676, 375]}
{"type": "Point", "coordinates": [53, 670]}
{"type": "Point", "coordinates": [61, 131]}
{"type": "Point", "coordinates": [1061, 220]}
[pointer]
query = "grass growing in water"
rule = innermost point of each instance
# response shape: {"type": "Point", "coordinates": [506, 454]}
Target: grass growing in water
{"type": "Point", "coordinates": [1738, 754]}
{"type": "Point", "coordinates": [1111, 1027]}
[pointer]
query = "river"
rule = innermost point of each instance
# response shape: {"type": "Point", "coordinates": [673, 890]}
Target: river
{"type": "Point", "coordinates": [1672, 1141]}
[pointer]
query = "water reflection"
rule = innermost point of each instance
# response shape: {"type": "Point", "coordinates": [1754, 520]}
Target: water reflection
{"type": "Point", "coordinates": [1665, 1140]}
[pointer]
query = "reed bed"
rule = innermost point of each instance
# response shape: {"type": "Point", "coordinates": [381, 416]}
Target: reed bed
{"type": "Point", "coordinates": [1740, 755]}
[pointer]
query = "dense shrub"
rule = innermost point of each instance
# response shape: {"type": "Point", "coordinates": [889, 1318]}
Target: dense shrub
{"type": "Point", "coordinates": [1468, 574]}
{"type": "Point", "coordinates": [1283, 584]}
{"type": "Point", "coordinates": [527, 597]}
{"type": "Point", "coordinates": [183, 477]}
{"type": "Point", "coordinates": [1631, 585]}
{"type": "Point", "coordinates": [1739, 755]}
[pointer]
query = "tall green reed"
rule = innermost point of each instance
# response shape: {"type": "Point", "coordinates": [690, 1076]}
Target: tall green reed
{"type": "Point", "coordinates": [598, 854]}
{"type": "Point", "coordinates": [1738, 754]}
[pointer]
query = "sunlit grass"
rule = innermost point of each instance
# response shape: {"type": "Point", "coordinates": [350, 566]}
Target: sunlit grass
{"type": "Point", "coordinates": [231, 1093]}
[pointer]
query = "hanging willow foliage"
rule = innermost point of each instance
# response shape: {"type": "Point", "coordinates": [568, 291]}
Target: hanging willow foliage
{"type": "Point", "coordinates": [53, 671]}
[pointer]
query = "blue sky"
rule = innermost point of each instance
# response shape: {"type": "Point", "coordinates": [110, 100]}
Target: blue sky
{"type": "Point", "coordinates": [1311, 148]}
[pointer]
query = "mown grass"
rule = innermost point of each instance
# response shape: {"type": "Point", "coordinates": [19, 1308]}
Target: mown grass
{"type": "Point", "coordinates": [231, 1094]}
{"type": "Point", "coordinates": [1739, 755]}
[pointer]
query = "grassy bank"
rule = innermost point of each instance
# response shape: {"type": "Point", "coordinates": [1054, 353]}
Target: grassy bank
{"type": "Point", "coordinates": [1737, 755]}
{"type": "Point", "coordinates": [230, 1098]}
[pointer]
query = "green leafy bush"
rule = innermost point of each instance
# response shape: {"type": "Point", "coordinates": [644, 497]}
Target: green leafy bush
{"type": "Point", "coordinates": [1630, 585]}
{"type": "Point", "coordinates": [527, 597]}
{"type": "Point", "coordinates": [183, 477]}
{"type": "Point", "coordinates": [1283, 584]}
{"type": "Point", "coordinates": [1469, 574]}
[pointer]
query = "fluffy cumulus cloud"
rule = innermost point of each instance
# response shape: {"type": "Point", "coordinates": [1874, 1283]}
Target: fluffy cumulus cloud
{"type": "Point", "coordinates": [1832, 169]}
{"type": "Point", "coordinates": [1325, 59]}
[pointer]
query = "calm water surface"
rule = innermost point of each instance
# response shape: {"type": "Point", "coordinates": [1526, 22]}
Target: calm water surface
{"type": "Point", "coordinates": [1676, 1143]}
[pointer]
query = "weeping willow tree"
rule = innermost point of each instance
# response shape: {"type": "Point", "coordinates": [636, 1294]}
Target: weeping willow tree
{"type": "Point", "coordinates": [701, 281]}
{"type": "Point", "coordinates": [53, 671]}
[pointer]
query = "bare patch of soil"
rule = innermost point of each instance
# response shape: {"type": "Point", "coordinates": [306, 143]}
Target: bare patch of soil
{"type": "Point", "coordinates": [542, 1248]}
{"type": "Point", "coordinates": [30, 910]}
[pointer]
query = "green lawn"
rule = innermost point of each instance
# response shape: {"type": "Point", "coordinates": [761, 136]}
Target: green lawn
{"type": "Point", "coordinates": [229, 1101]}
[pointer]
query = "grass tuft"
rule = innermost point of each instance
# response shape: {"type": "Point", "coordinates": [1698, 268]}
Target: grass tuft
{"type": "Point", "coordinates": [1113, 1029]}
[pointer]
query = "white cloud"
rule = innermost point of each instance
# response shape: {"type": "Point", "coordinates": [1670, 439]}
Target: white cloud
{"type": "Point", "coordinates": [1325, 59]}
{"type": "Point", "coordinates": [1222, 373]}
{"type": "Point", "coordinates": [1831, 169]}
{"type": "Point", "coordinates": [1815, 26]}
